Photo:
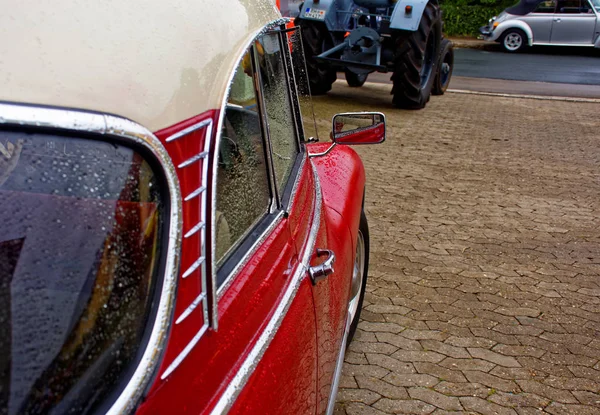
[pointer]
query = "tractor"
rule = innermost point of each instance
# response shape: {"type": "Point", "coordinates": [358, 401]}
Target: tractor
{"type": "Point", "coordinates": [358, 37]}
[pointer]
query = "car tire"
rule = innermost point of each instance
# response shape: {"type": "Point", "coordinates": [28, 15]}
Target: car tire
{"type": "Point", "coordinates": [513, 40]}
{"type": "Point", "coordinates": [321, 76]}
{"type": "Point", "coordinates": [415, 60]}
{"type": "Point", "coordinates": [355, 80]}
{"type": "Point", "coordinates": [359, 276]}
{"type": "Point", "coordinates": [445, 67]}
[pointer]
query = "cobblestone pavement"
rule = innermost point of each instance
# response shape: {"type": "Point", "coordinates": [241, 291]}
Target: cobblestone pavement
{"type": "Point", "coordinates": [484, 291]}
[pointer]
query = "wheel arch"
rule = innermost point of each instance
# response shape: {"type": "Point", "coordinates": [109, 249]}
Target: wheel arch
{"type": "Point", "coordinates": [512, 24]}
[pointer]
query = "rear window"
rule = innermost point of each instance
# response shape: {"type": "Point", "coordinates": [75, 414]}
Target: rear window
{"type": "Point", "coordinates": [80, 251]}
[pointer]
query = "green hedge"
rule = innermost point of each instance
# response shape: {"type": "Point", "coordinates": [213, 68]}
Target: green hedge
{"type": "Point", "coordinates": [465, 17]}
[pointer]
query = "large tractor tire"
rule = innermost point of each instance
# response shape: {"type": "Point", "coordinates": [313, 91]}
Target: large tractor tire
{"type": "Point", "coordinates": [314, 37]}
{"type": "Point", "coordinates": [355, 80]}
{"type": "Point", "coordinates": [445, 66]}
{"type": "Point", "coordinates": [415, 61]}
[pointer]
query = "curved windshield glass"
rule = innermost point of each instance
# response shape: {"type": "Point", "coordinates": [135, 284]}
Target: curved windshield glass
{"type": "Point", "coordinates": [80, 225]}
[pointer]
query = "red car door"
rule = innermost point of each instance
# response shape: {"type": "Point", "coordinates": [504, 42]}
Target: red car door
{"type": "Point", "coordinates": [262, 358]}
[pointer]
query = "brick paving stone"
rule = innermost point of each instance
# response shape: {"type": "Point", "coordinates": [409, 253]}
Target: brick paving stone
{"type": "Point", "coordinates": [363, 347]}
{"type": "Point", "coordinates": [440, 372]}
{"type": "Point", "coordinates": [556, 408]}
{"type": "Point", "coordinates": [381, 387]}
{"type": "Point", "coordinates": [445, 349]}
{"type": "Point", "coordinates": [354, 408]}
{"type": "Point", "coordinates": [448, 328]}
{"type": "Point", "coordinates": [435, 398]}
{"type": "Point", "coordinates": [554, 394]}
{"type": "Point", "coordinates": [491, 381]}
{"type": "Point", "coordinates": [463, 389]}
{"type": "Point", "coordinates": [390, 363]}
{"type": "Point", "coordinates": [358, 395]}
{"type": "Point", "coordinates": [410, 379]}
{"type": "Point", "coordinates": [398, 341]}
{"type": "Point", "coordinates": [495, 336]}
{"type": "Point", "coordinates": [404, 407]}
{"type": "Point", "coordinates": [518, 350]}
{"type": "Point", "coordinates": [381, 327]}
{"type": "Point", "coordinates": [518, 400]}
{"type": "Point", "coordinates": [356, 358]}
{"type": "Point", "coordinates": [518, 311]}
{"type": "Point", "coordinates": [481, 406]}
{"type": "Point", "coordinates": [587, 398]}
{"type": "Point", "coordinates": [512, 372]}
{"type": "Point", "coordinates": [467, 364]}
{"type": "Point", "coordinates": [485, 354]}
{"type": "Point", "coordinates": [348, 382]}
{"type": "Point", "coordinates": [418, 356]}
{"type": "Point", "coordinates": [365, 370]}
{"type": "Point", "coordinates": [572, 384]}
{"type": "Point", "coordinates": [470, 342]}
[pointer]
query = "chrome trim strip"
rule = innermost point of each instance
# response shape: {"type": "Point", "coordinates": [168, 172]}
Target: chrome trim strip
{"type": "Point", "coordinates": [213, 247]}
{"type": "Point", "coordinates": [177, 361]}
{"type": "Point", "coordinates": [195, 193]}
{"type": "Point", "coordinates": [324, 153]}
{"type": "Point", "coordinates": [193, 267]}
{"type": "Point", "coordinates": [338, 368]}
{"type": "Point", "coordinates": [190, 308]}
{"type": "Point", "coordinates": [188, 130]}
{"type": "Point", "coordinates": [195, 229]}
{"type": "Point", "coordinates": [192, 160]}
{"type": "Point", "coordinates": [578, 45]}
{"type": "Point", "coordinates": [83, 121]}
{"type": "Point", "coordinates": [245, 371]}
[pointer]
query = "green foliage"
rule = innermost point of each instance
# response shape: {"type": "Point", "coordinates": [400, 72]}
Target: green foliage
{"type": "Point", "coordinates": [465, 17]}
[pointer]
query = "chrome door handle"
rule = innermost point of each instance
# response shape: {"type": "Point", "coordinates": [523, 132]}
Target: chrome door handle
{"type": "Point", "coordinates": [320, 272]}
{"type": "Point", "coordinates": [557, 19]}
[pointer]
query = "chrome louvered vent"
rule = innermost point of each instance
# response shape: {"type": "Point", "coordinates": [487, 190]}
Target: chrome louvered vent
{"type": "Point", "coordinates": [200, 263]}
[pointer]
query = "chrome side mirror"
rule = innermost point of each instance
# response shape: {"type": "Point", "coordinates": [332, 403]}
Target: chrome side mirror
{"type": "Point", "coordinates": [359, 128]}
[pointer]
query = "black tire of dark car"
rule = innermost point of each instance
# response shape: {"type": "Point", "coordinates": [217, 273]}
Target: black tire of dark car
{"type": "Point", "coordinates": [445, 66]}
{"type": "Point", "coordinates": [355, 80]}
{"type": "Point", "coordinates": [363, 227]}
{"type": "Point", "coordinates": [314, 36]}
{"type": "Point", "coordinates": [415, 59]}
{"type": "Point", "coordinates": [512, 36]}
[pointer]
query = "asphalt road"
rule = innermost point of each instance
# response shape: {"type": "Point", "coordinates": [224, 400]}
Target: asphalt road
{"type": "Point", "coordinates": [541, 65]}
{"type": "Point", "coordinates": [542, 71]}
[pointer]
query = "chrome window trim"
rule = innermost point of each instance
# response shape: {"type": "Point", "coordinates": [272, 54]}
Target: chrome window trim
{"type": "Point", "coordinates": [217, 292]}
{"type": "Point", "coordinates": [244, 372]}
{"type": "Point", "coordinates": [81, 121]}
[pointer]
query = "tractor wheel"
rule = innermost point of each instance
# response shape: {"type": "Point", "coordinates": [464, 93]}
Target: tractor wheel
{"type": "Point", "coordinates": [445, 65]}
{"type": "Point", "coordinates": [314, 37]}
{"type": "Point", "coordinates": [355, 80]}
{"type": "Point", "coordinates": [415, 59]}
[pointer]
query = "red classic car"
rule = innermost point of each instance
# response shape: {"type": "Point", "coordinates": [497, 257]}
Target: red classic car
{"type": "Point", "coordinates": [172, 238]}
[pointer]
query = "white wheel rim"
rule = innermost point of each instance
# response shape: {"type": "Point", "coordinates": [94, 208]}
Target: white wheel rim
{"type": "Point", "coordinates": [513, 41]}
{"type": "Point", "coordinates": [357, 277]}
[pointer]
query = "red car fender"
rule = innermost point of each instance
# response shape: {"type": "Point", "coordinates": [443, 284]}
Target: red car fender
{"type": "Point", "coordinates": [342, 177]}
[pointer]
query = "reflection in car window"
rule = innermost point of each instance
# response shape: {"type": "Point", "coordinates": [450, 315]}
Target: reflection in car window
{"type": "Point", "coordinates": [596, 4]}
{"type": "Point", "coordinates": [80, 226]}
{"type": "Point", "coordinates": [546, 7]}
{"type": "Point", "coordinates": [243, 194]}
{"type": "Point", "coordinates": [569, 7]}
{"type": "Point", "coordinates": [279, 112]}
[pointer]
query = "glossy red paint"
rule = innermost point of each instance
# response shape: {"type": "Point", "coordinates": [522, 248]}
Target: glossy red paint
{"type": "Point", "coordinates": [369, 135]}
{"type": "Point", "coordinates": [245, 308]}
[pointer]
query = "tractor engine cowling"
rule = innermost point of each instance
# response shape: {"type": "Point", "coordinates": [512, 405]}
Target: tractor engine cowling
{"type": "Point", "coordinates": [374, 3]}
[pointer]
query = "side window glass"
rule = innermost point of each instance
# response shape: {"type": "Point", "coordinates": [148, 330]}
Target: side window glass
{"type": "Point", "coordinates": [586, 7]}
{"type": "Point", "coordinates": [569, 7]}
{"type": "Point", "coordinates": [276, 94]}
{"type": "Point", "coordinates": [546, 7]}
{"type": "Point", "coordinates": [243, 195]}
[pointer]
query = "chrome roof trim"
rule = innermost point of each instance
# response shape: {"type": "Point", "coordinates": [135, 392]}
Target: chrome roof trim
{"type": "Point", "coordinates": [90, 122]}
{"type": "Point", "coordinates": [188, 130]}
{"type": "Point", "coordinates": [252, 360]}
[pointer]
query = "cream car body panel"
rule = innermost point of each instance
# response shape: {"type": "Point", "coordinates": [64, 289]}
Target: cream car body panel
{"type": "Point", "coordinates": [155, 62]}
